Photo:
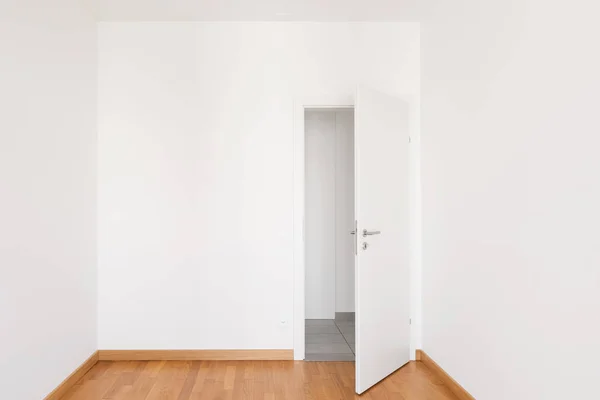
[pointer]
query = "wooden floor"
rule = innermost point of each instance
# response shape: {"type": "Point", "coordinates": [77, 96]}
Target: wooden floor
{"type": "Point", "coordinates": [224, 380]}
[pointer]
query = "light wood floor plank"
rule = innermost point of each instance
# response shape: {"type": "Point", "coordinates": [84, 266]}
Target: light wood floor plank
{"type": "Point", "coordinates": [252, 380]}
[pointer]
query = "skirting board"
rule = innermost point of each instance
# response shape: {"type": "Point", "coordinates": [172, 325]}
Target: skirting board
{"type": "Point", "coordinates": [72, 379]}
{"type": "Point", "coordinates": [454, 386]}
{"type": "Point", "coordinates": [193, 355]}
{"type": "Point", "coordinates": [345, 316]}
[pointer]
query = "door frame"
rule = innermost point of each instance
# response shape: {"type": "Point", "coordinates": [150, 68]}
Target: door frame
{"type": "Point", "coordinates": [348, 101]}
{"type": "Point", "coordinates": [300, 105]}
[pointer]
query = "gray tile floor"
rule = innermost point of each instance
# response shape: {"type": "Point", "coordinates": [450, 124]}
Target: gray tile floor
{"type": "Point", "coordinates": [330, 340]}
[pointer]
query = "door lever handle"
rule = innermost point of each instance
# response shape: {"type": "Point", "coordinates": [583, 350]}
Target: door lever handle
{"type": "Point", "coordinates": [353, 232]}
{"type": "Point", "coordinates": [366, 233]}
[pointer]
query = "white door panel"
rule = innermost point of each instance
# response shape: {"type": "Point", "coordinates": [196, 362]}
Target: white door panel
{"type": "Point", "coordinates": [382, 270]}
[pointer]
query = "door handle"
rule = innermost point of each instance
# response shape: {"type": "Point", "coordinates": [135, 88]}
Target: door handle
{"type": "Point", "coordinates": [353, 232]}
{"type": "Point", "coordinates": [370, 233]}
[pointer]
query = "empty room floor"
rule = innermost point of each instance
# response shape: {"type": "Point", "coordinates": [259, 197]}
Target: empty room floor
{"type": "Point", "coordinates": [330, 340]}
{"type": "Point", "coordinates": [224, 380]}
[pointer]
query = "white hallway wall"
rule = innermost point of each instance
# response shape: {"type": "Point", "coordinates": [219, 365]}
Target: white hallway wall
{"type": "Point", "coordinates": [511, 172]}
{"type": "Point", "coordinates": [329, 218]}
{"type": "Point", "coordinates": [196, 164]}
{"type": "Point", "coordinates": [47, 194]}
{"type": "Point", "coordinates": [344, 211]}
{"type": "Point", "coordinates": [320, 222]}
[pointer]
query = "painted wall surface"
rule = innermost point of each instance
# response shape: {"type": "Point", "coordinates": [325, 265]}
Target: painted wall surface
{"type": "Point", "coordinates": [329, 178]}
{"type": "Point", "coordinates": [511, 277]}
{"type": "Point", "coordinates": [344, 211]}
{"type": "Point", "coordinates": [47, 194]}
{"type": "Point", "coordinates": [320, 205]}
{"type": "Point", "coordinates": [320, 221]}
{"type": "Point", "coordinates": [196, 169]}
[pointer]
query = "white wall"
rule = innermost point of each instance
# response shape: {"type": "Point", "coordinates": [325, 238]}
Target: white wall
{"type": "Point", "coordinates": [511, 277]}
{"type": "Point", "coordinates": [329, 177]}
{"type": "Point", "coordinates": [344, 211]}
{"type": "Point", "coordinates": [196, 164]}
{"type": "Point", "coordinates": [320, 221]}
{"type": "Point", "coordinates": [47, 194]}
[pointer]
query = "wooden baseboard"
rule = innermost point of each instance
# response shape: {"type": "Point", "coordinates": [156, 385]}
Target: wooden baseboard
{"type": "Point", "coordinates": [72, 379]}
{"type": "Point", "coordinates": [454, 386]}
{"type": "Point", "coordinates": [192, 355]}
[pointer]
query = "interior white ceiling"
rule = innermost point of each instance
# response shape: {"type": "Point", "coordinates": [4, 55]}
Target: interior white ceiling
{"type": "Point", "coordinates": [253, 10]}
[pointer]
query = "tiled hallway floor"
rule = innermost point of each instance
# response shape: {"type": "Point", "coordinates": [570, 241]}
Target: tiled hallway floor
{"type": "Point", "coordinates": [330, 340]}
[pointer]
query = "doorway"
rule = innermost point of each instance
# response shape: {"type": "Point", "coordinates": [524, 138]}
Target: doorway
{"type": "Point", "coordinates": [329, 245]}
{"type": "Point", "coordinates": [381, 213]}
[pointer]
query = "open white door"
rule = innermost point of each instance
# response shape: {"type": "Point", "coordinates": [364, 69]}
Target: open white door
{"type": "Point", "coordinates": [382, 271]}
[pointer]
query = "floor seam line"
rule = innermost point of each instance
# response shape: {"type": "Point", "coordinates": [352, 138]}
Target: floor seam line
{"type": "Point", "coordinates": [346, 340]}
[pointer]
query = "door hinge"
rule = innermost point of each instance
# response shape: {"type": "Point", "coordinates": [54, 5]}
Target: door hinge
{"type": "Point", "coordinates": [409, 139]}
{"type": "Point", "coordinates": [410, 321]}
